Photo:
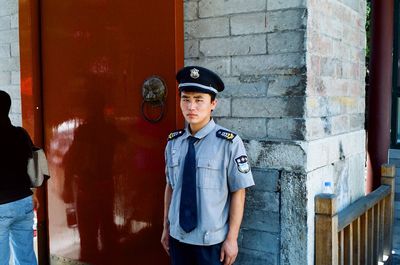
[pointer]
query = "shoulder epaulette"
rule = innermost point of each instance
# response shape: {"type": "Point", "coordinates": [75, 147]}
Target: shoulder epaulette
{"type": "Point", "coordinates": [175, 134]}
{"type": "Point", "coordinates": [227, 135]}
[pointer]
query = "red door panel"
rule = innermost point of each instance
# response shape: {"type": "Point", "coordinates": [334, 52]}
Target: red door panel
{"type": "Point", "coordinates": [105, 197]}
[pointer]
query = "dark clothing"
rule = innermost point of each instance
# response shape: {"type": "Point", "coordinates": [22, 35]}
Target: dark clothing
{"type": "Point", "coordinates": [15, 149]}
{"type": "Point", "coordinates": [186, 254]}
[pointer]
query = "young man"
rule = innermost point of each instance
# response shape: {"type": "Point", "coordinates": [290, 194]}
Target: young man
{"type": "Point", "coordinates": [207, 173]}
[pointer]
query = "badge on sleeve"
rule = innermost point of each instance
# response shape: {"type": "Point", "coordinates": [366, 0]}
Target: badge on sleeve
{"type": "Point", "coordinates": [242, 164]}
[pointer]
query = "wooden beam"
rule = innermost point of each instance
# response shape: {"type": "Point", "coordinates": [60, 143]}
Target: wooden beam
{"type": "Point", "coordinates": [326, 234]}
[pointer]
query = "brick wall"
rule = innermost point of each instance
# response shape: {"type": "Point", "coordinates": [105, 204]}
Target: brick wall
{"type": "Point", "coordinates": [9, 56]}
{"type": "Point", "coordinates": [294, 75]}
{"type": "Point", "coordinates": [334, 120]}
{"type": "Point", "coordinates": [258, 49]}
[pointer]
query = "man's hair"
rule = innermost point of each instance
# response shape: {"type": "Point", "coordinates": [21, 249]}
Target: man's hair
{"type": "Point", "coordinates": [5, 103]}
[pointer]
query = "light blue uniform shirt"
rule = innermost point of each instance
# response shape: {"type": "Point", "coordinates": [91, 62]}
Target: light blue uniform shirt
{"type": "Point", "coordinates": [222, 168]}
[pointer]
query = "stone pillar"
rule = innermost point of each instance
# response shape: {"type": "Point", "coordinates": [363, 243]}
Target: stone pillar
{"type": "Point", "coordinates": [9, 56]}
{"type": "Point", "coordinates": [294, 75]}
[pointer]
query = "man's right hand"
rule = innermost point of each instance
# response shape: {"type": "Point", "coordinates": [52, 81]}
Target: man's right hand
{"type": "Point", "coordinates": [165, 239]}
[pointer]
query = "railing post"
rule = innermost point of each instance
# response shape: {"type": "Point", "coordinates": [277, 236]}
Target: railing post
{"type": "Point", "coordinates": [326, 233]}
{"type": "Point", "coordinates": [388, 173]}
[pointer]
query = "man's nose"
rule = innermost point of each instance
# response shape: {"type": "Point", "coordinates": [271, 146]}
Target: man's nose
{"type": "Point", "coordinates": [191, 105]}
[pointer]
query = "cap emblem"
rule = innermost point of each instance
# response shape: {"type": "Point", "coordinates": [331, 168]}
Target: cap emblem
{"type": "Point", "coordinates": [194, 73]}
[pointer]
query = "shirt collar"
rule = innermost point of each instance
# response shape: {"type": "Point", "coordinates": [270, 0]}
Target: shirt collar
{"type": "Point", "coordinates": [203, 131]}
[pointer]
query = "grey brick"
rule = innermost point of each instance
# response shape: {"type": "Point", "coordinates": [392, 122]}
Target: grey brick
{"type": "Point", "coordinates": [7, 36]}
{"type": "Point", "coordinates": [254, 257]}
{"type": "Point", "coordinates": [282, 4]}
{"type": "Point", "coordinates": [8, 7]}
{"type": "Point", "coordinates": [245, 86]}
{"type": "Point", "coordinates": [339, 124]}
{"type": "Point", "coordinates": [357, 121]}
{"type": "Point", "coordinates": [223, 108]}
{"type": "Point", "coordinates": [5, 23]}
{"type": "Point", "coordinates": [290, 63]}
{"type": "Point", "coordinates": [243, 45]}
{"type": "Point", "coordinates": [283, 42]}
{"type": "Point", "coordinates": [219, 65]}
{"type": "Point", "coordinates": [265, 179]}
{"type": "Point", "coordinates": [5, 51]}
{"type": "Point", "coordinates": [283, 85]}
{"type": "Point", "coordinates": [191, 10]}
{"type": "Point", "coordinates": [286, 20]}
{"type": "Point", "coordinates": [16, 77]}
{"type": "Point", "coordinates": [317, 128]}
{"type": "Point", "coordinates": [14, 21]}
{"type": "Point", "coordinates": [288, 129]}
{"type": "Point", "coordinates": [210, 27]}
{"type": "Point", "coordinates": [15, 49]}
{"type": "Point", "coordinates": [268, 107]}
{"type": "Point", "coordinates": [262, 200]}
{"type": "Point", "coordinates": [261, 241]}
{"type": "Point", "coordinates": [16, 119]}
{"type": "Point", "coordinates": [9, 64]}
{"type": "Point", "coordinates": [261, 220]}
{"type": "Point", "coordinates": [191, 48]}
{"type": "Point", "coordinates": [247, 128]}
{"type": "Point", "coordinates": [213, 8]}
{"type": "Point", "coordinates": [248, 23]}
{"type": "Point", "coordinates": [12, 90]}
{"type": "Point", "coordinates": [276, 155]}
{"type": "Point", "coordinates": [5, 78]}
{"type": "Point", "coordinates": [16, 106]}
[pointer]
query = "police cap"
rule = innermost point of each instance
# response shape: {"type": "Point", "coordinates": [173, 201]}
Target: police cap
{"type": "Point", "coordinates": [199, 79]}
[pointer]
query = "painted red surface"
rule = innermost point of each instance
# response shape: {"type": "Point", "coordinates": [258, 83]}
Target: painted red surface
{"type": "Point", "coordinates": [105, 197]}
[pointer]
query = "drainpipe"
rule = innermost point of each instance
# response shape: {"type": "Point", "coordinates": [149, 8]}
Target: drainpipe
{"type": "Point", "coordinates": [379, 94]}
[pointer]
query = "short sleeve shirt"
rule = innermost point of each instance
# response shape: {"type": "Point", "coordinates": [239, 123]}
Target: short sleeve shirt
{"type": "Point", "coordinates": [222, 168]}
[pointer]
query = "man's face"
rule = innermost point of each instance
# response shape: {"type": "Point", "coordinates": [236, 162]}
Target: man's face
{"type": "Point", "coordinates": [196, 108]}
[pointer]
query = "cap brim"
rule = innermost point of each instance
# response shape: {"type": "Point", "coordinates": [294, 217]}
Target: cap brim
{"type": "Point", "coordinates": [197, 89]}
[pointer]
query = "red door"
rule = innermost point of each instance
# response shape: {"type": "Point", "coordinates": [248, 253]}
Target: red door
{"type": "Point", "coordinates": [105, 197]}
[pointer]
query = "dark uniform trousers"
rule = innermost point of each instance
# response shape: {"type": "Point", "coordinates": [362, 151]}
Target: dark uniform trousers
{"type": "Point", "coordinates": [186, 254]}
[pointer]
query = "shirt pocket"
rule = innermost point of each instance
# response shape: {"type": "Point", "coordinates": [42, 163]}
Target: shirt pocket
{"type": "Point", "coordinates": [173, 169]}
{"type": "Point", "coordinates": [210, 173]}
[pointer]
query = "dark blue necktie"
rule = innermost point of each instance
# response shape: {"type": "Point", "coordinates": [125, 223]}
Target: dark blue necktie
{"type": "Point", "coordinates": [188, 206]}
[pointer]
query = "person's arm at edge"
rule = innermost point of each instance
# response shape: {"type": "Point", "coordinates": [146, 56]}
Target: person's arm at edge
{"type": "Point", "coordinates": [229, 250]}
{"type": "Point", "coordinates": [35, 199]}
{"type": "Point", "coordinates": [167, 202]}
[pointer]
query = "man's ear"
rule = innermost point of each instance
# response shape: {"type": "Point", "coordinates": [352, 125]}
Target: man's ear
{"type": "Point", "coordinates": [214, 104]}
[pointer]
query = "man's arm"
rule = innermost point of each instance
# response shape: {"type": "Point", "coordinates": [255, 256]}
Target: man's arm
{"type": "Point", "coordinates": [230, 248]}
{"type": "Point", "coordinates": [167, 202]}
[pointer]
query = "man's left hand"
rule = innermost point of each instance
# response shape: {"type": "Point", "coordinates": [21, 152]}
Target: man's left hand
{"type": "Point", "coordinates": [229, 251]}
